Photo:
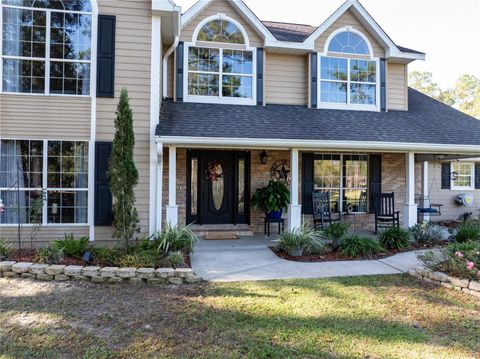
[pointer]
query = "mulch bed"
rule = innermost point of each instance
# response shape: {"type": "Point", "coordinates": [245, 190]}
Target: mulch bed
{"type": "Point", "coordinates": [336, 256]}
{"type": "Point", "coordinates": [30, 255]}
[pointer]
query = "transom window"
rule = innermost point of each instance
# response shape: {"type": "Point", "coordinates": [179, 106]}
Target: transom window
{"type": "Point", "coordinates": [345, 177]}
{"type": "Point", "coordinates": [221, 31]}
{"type": "Point", "coordinates": [463, 176]}
{"type": "Point", "coordinates": [46, 46]}
{"type": "Point", "coordinates": [221, 72]}
{"type": "Point", "coordinates": [51, 175]}
{"type": "Point", "coordinates": [349, 43]}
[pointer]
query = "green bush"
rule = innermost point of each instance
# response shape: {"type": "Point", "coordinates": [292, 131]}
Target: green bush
{"type": "Point", "coordinates": [428, 233]}
{"type": "Point", "coordinates": [140, 259]}
{"type": "Point", "coordinates": [306, 238]}
{"type": "Point", "coordinates": [336, 231]}
{"type": "Point", "coordinates": [467, 231]}
{"type": "Point", "coordinates": [107, 256]}
{"type": "Point", "coordinates": [177, 238]}
{"type": "Point", "coordinates": [50, 255]}
{"type": "Point", "coordinates": [315, 247]}
{"type": "Point", "coordinates": [72, 247]}
{"type": "Point", "coordinates": [6, 250]}
{"type": "Point", "coordinates": [395, 238]}
{"type": "Point", "coordinates": [271, 198]}
{"type": "Point", "coordinates": [175, 260]}
{"type": "Point", "coordinates": [360, 247]}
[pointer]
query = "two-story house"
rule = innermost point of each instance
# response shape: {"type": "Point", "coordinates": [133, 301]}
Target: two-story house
{"type": "Point", "coordinates": [223, 102]}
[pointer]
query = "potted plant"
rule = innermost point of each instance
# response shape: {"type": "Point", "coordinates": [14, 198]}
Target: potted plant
{"type": "Point", "coordinates": [272, 199]}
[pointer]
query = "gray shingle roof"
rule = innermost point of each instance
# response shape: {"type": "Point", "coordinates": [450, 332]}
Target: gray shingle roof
{"type": "Point", "coordinates": [427, 121]}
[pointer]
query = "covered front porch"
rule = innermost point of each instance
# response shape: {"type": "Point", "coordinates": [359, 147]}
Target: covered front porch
{"type": "Point", "coordinates": [211, 187]}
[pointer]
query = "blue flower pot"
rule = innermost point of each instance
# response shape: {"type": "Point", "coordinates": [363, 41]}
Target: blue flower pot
{"type": "Point", "coordinates": [275, 215]}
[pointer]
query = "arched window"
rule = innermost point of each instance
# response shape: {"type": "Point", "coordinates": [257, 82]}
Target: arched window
{"type": "Point", "coordinates": [221, 31]}
{"type": "Point", "coordinates": [348, 81]}
{"type": "Point", "coordinates": [349, 43]}
{"type": "Point", "coordinates": [47, 46]}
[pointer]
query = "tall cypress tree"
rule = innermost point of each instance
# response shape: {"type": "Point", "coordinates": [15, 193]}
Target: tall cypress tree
{"type": "Point", "coordinates": [123, 173]}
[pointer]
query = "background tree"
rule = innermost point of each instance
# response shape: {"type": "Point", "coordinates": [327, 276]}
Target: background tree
{"type": "Point", "coordinates": [465, 95]}
{"type": "Point", "coordinates": [123, 173]}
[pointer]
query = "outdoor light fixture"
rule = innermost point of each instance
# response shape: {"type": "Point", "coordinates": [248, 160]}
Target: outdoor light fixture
{"type": "Point", "coordinates": [2, 206]}
{"type": "Point", "coordinates": [264, 157]}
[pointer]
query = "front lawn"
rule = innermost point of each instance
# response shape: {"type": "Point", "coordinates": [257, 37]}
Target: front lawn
{"type": "Point", "coordinates": [385, 316]}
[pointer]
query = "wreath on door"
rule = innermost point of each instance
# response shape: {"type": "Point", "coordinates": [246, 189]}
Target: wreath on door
{"type": "Point", "coordinates": [215, 170]}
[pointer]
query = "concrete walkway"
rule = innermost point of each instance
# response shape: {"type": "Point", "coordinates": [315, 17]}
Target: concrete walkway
{"type": "Point", "coordinates": [249, 258]}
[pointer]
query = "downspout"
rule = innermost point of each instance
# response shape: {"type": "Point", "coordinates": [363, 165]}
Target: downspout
{"type": "Point", "coordinates": [167, 55]}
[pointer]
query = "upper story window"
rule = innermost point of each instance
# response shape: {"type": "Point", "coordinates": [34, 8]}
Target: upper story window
{"type": "Point", "coordinates": [220, 65]}
{"type": "Point", "coordinates": [349, 76]}
{"type": "Point", "coordinates": [46, 46]}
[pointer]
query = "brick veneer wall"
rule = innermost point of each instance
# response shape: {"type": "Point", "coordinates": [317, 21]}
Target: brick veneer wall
{"type": "Point", "coordinates": [393, 180]}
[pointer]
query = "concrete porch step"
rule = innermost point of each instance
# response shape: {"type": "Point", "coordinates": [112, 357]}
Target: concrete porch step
{"type": "Point", "coordinates": [228, 231]}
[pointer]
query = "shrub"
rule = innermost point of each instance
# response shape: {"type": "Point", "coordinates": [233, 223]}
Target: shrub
{"type": "Point", "coordinates": [72, 247]}
{"type": "Point", "coordinates": [467, 231]}
{"type": "Point", "coordinates": [458, 259]}
{"type": "Point", "coordinates": [316, 247]}
{"type": "Point", "coordinates": [175, 260]}
{"type": "Point", "coordinates": [336, 231]}
{"type": "Point", "coordinates": [177, 238]}
{"type": "Point", "coordinates": [140, 259]}
{"type": "Point", "coordinates": [6, 250]}
{"type": "Point", "coordinates": [50, 255]}
{"type": "Point", "coordinates": [428, 233]}
{"type": "Point", "coordinates": [395, 238]}
{"type": "Point", "coordinates": [107, 256]}
{"type": "Point", "coordinates": [360, 247]}
{"type": "Point", "coordinates": [306, 238]}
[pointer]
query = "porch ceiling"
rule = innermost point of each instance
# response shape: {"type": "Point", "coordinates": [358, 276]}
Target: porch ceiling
{"type": "Point", "coordinates": [428, 123]}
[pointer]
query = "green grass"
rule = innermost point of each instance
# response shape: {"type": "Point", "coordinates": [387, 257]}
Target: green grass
{"type": "Point", "coordinates": [375, 317]}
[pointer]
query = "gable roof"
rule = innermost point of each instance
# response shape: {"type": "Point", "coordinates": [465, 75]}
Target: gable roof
{"type": "Point", "coordinates": [427, 122]}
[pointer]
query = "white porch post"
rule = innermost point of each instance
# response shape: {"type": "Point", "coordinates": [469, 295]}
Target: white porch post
{"type": "Point", "coordinates": [172, 208]}
{"type": "Point", "coordinates": [425, 189]}
{"type": "Point", "coordinates": [410, 208]}
{"type": "Point", "coordinates": [159, 177]}
{"type": "Point", "coordinates": [294, 209]}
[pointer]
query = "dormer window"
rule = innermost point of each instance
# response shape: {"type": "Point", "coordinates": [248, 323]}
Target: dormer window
{"type": "Point", "coordinates": [349, 73]}
{"type": "Point", "coordinates": [220, 64]}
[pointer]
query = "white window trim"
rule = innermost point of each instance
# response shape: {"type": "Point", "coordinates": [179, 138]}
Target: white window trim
{"type": "Point", "coordinates": [342, 188]}
{"type": "Point", "coordinates": [45, 189]}
{"type": "Point", "coordinates": [47, 58]}
{"type": "Point", "coordinates": [472, 177]}
{"type": "Point", "coordinates": [218, 45]}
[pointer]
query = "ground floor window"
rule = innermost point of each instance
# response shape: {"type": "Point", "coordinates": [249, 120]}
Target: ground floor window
{"type": "Point", "coordinates": [44, 181]}
{"type": "Point", "coordinates": [463, 175]}
{"type": "Point", "coordinates": [345, 176]}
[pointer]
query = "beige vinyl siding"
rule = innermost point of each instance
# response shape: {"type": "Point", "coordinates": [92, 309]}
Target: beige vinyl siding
{"type": "Point", "coordinates": [349, 19]}
{"type": "Point", "coordinates": [397, 87]}
{"type": "Point", "coordinates": [222, 7]}
{"type": "Point", "coordinates": [286, 79]}
{"type": "Point", "coordinates": [132, 70]}
{"type": "Point", "coordinates": [44, 237]}
{"type": "Point", "coordinates": [450, 209]}
{"type": "Point", "coordinates": [170, 71]}
{"type": "Point", "coordinates": [45, 117]}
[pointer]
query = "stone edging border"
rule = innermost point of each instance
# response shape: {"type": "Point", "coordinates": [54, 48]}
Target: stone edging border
{"type": "Point", "coordinates": [467, 286]}
{"type": "Point", "coordinates": [113, 275]}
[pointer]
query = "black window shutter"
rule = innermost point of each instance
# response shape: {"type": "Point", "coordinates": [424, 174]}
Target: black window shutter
{"type": "Point", "coordinates": [106, 56]}
{"type": "Point", "coordinates": [260, 59]}
{"type": "Point", "coordinates": [103, 196]}
{"type": "Point", "coordinates": [307, 182]}
{"type": "Point", "coordinates": [383, 86]}
{"type": "Point", "coordinates": [446, 175]}
{"type": "Point", "coordinates": [375, 179]}
{"type": "Point", "coordinates": [477, 175]}
{"type": "Point", "coordinates": [313, 79]}
{"type": "Point", "coordinates": [179, 72]}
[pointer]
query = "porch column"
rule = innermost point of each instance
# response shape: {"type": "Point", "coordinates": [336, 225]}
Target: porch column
{"type": "Point", "coordinates": [425, 189]}
{"type": "Point", "coordinates": [410, 208]}
{"type": "Point", "coordinates": [159, 184]}
{"type": "Point", "coordinates": [172, 208]}
{"type": "Point", "coordinates": [294, 209]}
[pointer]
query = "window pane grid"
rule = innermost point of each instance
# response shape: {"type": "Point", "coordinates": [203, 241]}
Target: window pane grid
{"type": "Point", "coordinates": [462, 177]}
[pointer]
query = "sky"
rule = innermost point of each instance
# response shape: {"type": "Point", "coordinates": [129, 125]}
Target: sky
{"type": "Point", "coordinates": [446, 30]}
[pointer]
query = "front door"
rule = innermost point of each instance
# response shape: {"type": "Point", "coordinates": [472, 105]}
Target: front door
{"type": "Point", "coordinates": [221, 180]}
